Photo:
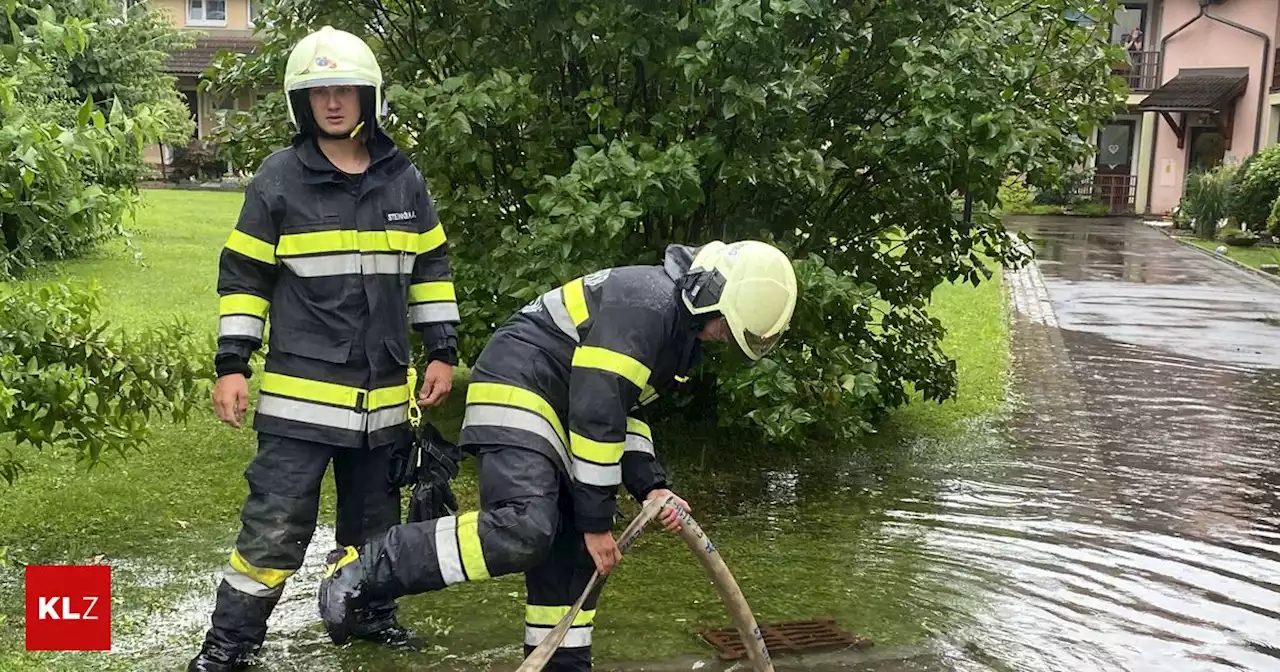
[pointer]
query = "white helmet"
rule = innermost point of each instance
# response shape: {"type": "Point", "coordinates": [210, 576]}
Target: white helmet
{"type": "Point", "coordinates": [332, 57]}
{"type": "Point", "coordinates": [752, 284]}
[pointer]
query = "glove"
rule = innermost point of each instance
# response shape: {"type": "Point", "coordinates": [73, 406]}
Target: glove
{"type": "Point", "coordinates": [434, 464]}
{"type": "Point", "coordinates": [401, 471]}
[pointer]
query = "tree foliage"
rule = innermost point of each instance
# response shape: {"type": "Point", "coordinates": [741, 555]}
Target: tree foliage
{"type": "Point", "coordinates": [560, 137]}
{"type": "Point", "coordinates": [76, 110]}
{"type": "Point", "coordinates": [67, 379]}
{"type": "Point", "coordinates": [75, 116]}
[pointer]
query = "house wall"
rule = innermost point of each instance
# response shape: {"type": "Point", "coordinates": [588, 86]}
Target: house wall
{"type": "Point", "coordinates": [237, 20]}
{"type": "Point", "coordinates": [1207, 43]}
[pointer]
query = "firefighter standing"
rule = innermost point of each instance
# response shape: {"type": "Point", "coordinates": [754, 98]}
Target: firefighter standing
{"type": "Point", "coordinates": [339, 243]}
{"type": "Point", "coordinates": [554, 415]}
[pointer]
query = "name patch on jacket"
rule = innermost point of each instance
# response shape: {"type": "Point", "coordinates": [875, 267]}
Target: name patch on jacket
{"type": "Point", "coordinates": [402, 216]}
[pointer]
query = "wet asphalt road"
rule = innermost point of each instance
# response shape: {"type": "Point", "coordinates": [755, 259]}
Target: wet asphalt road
{"type": "Point", "coordinates": [1136, 524]}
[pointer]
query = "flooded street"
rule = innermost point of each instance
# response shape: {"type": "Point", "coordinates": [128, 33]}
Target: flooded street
{"type": "Point", "coordinates": [1136, 522]}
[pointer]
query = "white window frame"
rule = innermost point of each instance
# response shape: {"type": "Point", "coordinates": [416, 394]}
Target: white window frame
{"type": "Point", "coordinates": [204, 6]}
{"type": "Point", "coordinates": [248, 13]}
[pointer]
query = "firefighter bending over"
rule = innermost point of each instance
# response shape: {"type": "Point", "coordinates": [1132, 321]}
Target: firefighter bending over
{"type": "Point", "coordinates": [555, 417]}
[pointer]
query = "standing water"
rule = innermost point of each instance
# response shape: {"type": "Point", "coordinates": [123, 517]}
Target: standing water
{"type": "Point", "coordinates": [1136, 523]}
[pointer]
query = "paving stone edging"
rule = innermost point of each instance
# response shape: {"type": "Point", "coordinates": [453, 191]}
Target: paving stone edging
{"type": "Point", "coordinates": [1215, 255]}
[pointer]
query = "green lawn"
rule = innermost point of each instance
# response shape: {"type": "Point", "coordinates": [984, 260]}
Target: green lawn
{"type": "Point", "coordinates": [1249, 256]}
{"type": "Point", "coordinates": [165, 518]}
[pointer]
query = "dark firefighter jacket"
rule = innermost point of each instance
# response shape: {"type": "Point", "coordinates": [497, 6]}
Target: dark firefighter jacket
{"type": "Point", "coordinates": [342, 266]}
{"type": "Point", "coordinates": [569, 375]}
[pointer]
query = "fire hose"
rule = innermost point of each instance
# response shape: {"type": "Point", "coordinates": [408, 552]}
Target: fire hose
{"type": "Point", "coordinates": [711, 562]}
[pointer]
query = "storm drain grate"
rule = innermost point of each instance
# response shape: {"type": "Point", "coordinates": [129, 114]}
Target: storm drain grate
{"type": "Point", "coordinates": [791, 636]}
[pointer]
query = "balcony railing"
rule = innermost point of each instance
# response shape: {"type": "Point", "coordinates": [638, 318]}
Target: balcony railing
{"type": "Point", "coordinates": [1118, 192]}
{"type": "Point", "coordinates": [1142, 72]}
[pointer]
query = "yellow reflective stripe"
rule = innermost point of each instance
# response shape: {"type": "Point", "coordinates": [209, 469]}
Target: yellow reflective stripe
{"type": "Point", "coordinates": [441, 290]}
{"type": "Point", "coordinates": [346, 240]}
{"type": "Point", "coordinates": [349, 556]}
{"type": "Point", "coordinates": [628, 367]}
{"type": "Point", "coordinates": [387, 396]}
{"type": "Point", "coordinates": [310, 390]}
{"type": "Point", "coordinates": [333, 393]}
{"type": "Point", "coordinates": [317, 242]}
{"type": "Point", "coordinates": [251, 247]}
{"type": "Point", "coordinates": [648, 394]}
{"type": "Point", "coordinates": [264, 575]}
{"type": "Point", "coordinates": [510, 395]}
{"type": "Point", "coordinates": [469, 547]}
{"type": "Point", "coordinates": [639, 427]}
{"type": "Point", "coordinates": [549, 616]}
{"type": "Point", "coordinates": [575, 301]}
{"type": "Point", "coordinates": [430, 240]}
{"type": "Point", "coordinates": [595, 451]}
{"type": "Point", "coordinates": [243, 304]}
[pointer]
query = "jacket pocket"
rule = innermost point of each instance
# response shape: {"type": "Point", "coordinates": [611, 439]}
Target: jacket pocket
{"type": "Point", "coordinates": [310, 345]}
{"type": "Point", "coordinates": [398, 350]}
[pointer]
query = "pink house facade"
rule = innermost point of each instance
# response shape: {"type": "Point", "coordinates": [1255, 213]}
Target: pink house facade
{"type": "Point", "coordinates": [1203, 93]}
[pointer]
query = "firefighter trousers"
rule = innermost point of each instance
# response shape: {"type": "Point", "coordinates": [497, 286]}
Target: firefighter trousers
{"type": "Point", "coordinates": [524, 525]}
{"type": "Point", "coordinates": [278, 519]}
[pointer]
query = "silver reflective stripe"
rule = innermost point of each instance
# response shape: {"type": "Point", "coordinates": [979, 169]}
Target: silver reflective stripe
{"type": "Point", "coordinates": [441, 311]}
{"type": "Point", "coordinates": [638, 444]}
{"type": "Point", "coordinates": [388, 417]}
{"type": "Point", "coordinates": [595, 474]}
{"type": "Point", "coordinates": [515, 418]}
{"type": "Point", "coordinates": [447, 550]}
{"type": "Point", "coordinates": [305, 411]}
{"type": "Point", "coordinates": [554, 301]}
{"type": "Point", "coordinates": [387, 264]}
{"type": "Point", "coordinates": [248, 585]}
{"type": "Point", "coordinates": [241, 325]}
{"type": "Point", "coordinates": [577, 637]}
{"type": "Point", "coordinates": [350, 263]}
{"type": "Point", "coordinates": [329, 264]}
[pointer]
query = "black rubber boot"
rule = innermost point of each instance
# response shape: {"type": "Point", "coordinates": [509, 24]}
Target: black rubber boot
{"type": "Point", "coordinates": [217, 657]}
{"type": "Point", "coordinates": [377, 623]}
{"type": "Point", "coordinates": [239, 628]}
{"type": "Point", "coordinates": [343, 592]}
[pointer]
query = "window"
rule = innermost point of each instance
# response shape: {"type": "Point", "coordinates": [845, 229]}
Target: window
{"type": "Point", "coordinates": [1128, 31]}
{"type": "Point", "coordinates": [254, 8]}
{"type": "Point", "coordinates": [207, 12]}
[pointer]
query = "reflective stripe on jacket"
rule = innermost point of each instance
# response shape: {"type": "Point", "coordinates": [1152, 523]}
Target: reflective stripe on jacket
{"type": "Point", "coordinates": [341, 267]}
{"type": "Point", "coordinates": [570, 373]}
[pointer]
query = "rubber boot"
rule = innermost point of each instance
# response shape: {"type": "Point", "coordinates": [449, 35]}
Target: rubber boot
{"type": "Point", "coordinates": [377, 623]}
{"type": "Point", "coordinates": [239, 628]}
{"type": "Point", "coordinates": [343, 592]}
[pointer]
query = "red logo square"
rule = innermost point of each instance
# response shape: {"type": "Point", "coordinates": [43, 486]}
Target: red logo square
{"type": "Point", "coordinates": [68, 607]}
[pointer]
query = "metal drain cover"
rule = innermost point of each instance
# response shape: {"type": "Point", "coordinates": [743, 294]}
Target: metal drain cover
{"type": "Point", "coordinates": [791, 636]}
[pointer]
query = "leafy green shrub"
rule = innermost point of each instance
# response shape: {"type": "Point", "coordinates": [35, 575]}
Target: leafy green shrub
{"type": "Point", "coordinates": [1207, 198]}
{"type": "Point", "coordinates": [1062, 191]}
{"type": "Point", "coordinates": [1087, 208]}
{"type": "Point", "coordinates": [197, 160]}
{"type": "Point", "coordinates": [75, 115]}
{"type": "Point", "coordinates": [556, 143]}
{"type": "Point", "coordinates": [1014, 194]}
{"type": "Point", "coordinates": [1256, 188]}
{"type": "Point", "coordinates": [1273, 218]}
{"type": "Point", "coordinates": [65, 380]}
{"type": "Point", "coordinates": [1234, 236]}
{"type": "Point", "coordinates": [71, 160]}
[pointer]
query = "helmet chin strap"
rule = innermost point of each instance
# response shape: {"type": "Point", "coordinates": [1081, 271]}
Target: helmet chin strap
{"type": "Point", "coordinates": [308, 125]}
